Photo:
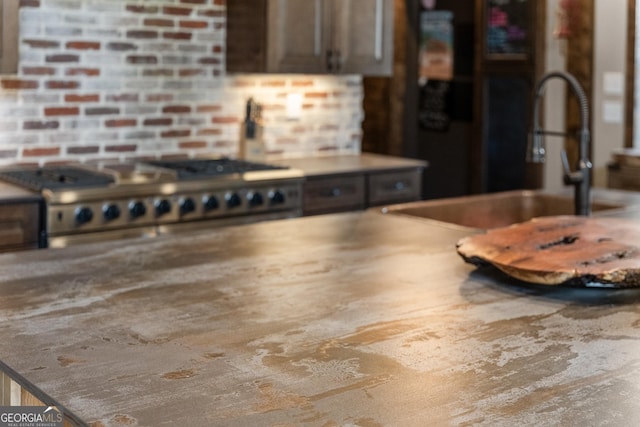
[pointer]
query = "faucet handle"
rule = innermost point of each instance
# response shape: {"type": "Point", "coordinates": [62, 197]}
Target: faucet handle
{"type": "Point", "coordinates": [570, 177]}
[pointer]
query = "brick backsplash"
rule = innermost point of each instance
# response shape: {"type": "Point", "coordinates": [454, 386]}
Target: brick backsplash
{"type": "Point", "coordinates": [118, 79]}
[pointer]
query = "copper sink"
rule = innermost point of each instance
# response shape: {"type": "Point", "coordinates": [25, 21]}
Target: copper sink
{"type": "Point", "coordinates": [494, 210]}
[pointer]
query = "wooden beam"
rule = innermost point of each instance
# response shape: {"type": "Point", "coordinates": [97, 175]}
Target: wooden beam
{"type": "Point", "coordinates": [630, 74]}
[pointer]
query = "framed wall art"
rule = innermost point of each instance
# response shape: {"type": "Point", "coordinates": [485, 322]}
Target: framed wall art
{"type": "Point", "coordinates": [508, 32]}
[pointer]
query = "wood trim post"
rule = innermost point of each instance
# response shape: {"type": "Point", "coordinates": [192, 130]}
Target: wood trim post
{"type": "Point", "coordinates": [630, 81]}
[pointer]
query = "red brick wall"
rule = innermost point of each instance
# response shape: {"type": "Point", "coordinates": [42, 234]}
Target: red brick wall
{"type": "Point", "coordinates": [116, 79]}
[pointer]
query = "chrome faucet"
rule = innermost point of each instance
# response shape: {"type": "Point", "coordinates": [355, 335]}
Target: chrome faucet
{"type": "Point", "coordinates": [580, 178]}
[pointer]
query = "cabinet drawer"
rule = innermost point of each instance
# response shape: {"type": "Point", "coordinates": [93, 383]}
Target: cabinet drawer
{"type": "Point", "coordinates": [19, 226]}
{"type": "Point", "coordinates": [337, 194]}
{"type": "Point", "coordinates": [624, 178]}
{"type": "Point", "coordinates": [394, 187]}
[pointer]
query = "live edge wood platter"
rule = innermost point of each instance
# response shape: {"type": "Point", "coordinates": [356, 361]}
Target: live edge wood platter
{"type": "Point", "coordinates": [561, 250]}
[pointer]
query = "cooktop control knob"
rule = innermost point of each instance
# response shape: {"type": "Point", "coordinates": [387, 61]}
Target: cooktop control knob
{"type": "Point", "coordinates": [110, 212]}
{"type": "Point", "coordinates": [83, 215]}
{"type": "Point", "coordinates": [187, 205]}
{"type": "Point", "coordinates": [163, 207]}
{"type": "Point", "coordinates": [137, 209]}
{"type": "Point", "coordinates": [276, 197]}
{"type": "Point", "coordinates": [210, 203]}
{"type": "Point", "coordinates": [254, 198]}
{"type": "Point", "coordinates": [233, 200]}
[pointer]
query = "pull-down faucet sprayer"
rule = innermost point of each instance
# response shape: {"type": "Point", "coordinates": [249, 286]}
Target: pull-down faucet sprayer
{"type": "Point", "coordinates": [579, 178]}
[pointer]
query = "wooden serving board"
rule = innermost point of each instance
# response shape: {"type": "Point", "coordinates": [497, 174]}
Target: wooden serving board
{"type": "Point", "coordinates": [561, 250]}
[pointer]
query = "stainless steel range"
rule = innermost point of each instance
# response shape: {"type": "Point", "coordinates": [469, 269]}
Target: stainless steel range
{"type": "Point", "coordinates": [117, 200]}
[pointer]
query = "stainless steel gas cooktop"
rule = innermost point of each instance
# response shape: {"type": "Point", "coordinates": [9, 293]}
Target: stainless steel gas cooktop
{"type": "Point", "coordinates": [115, 200]}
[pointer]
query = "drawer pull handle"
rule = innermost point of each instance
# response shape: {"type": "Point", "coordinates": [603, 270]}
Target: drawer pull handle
{"type": "Point", "coordinates": [336, 192]}
{"type": "Point", "coordinates": [400, 186]}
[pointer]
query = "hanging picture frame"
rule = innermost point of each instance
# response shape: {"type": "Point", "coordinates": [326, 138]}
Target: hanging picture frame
{"type": "Point", "coordinates": [508, 32]}
{"type": "Point", "coordinates": [436, 46]}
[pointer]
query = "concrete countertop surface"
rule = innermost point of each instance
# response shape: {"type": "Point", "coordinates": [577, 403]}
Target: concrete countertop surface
{"type": "Point", "coordinates": [349, 164]}
{"type": "Point", "coordinates": [356, 319]}
{"type": "Point", "coordinates": [10, 193]}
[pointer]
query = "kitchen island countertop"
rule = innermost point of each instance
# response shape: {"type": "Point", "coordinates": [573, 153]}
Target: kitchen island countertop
{"type": "Point", "coordinates": [349, 319]}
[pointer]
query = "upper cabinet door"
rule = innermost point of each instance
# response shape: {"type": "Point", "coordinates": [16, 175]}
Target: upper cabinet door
{"type": "Point", "coordinates": [299, 36]}
{"type": "Point", "coordinates": [310, 36]}
{"type": "Point", "coordinates": [9, 17]}
{"type": "Point", "coordinates": [364, 36]}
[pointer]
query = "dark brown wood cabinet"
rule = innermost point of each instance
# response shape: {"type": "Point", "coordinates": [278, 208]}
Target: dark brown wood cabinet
{"type": "Point", "coordinates": [360, 190]}
{"type": "Point", "coordinates": [19, 226]}
{"type": "Point", "coordinates": [320, 36]}
{"type": "Point", "coordinates": [394, 187]}
{"type": "Point", "coordinates": [9, 19]}
{"type": "Point", "coordinates": [20, 219]}
{"type": "Point", "coordinates": [510, 41]}
{"type": "Point", "coordinates": [356, 182]}
{"type": "Point", "coordinates": [485, 106]}
{"type": "Point", "coordinates": [331, 193]}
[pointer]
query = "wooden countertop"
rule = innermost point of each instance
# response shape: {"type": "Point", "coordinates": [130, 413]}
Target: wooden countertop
{"type": "Point", "coordinates": [348, 164]}
{"type": "Point", "coordinates": [348, 319]}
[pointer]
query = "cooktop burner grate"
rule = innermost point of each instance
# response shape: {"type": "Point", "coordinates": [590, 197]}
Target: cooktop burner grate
{"type": "Point", "coordinates": [202, 168]}
{"type": "Point", "coordinates": [56, 178]}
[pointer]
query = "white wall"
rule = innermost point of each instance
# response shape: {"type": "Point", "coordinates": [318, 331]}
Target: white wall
{"type": "Point", "coordinates": [554, 112]}
{"type": "Point", "coordinates": [610, 24]}
{"type": "Point", "coordinates": [610, 44]}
